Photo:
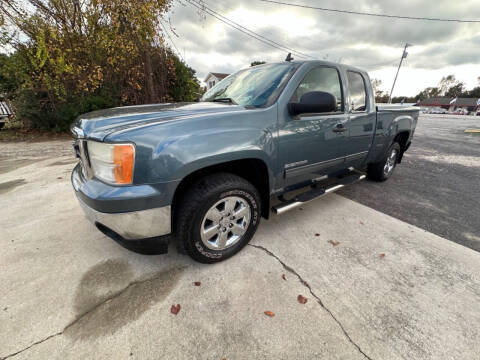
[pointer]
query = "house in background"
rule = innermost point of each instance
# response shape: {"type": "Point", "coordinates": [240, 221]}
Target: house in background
{"type": "Point", "coordinates": [214, 78]}
{"type": "Point", "coordinates": [442, 102]}
{"type": "Point", "coordinates": [451, 104]}
{"type": "Point", "coordinates": [468, 104]}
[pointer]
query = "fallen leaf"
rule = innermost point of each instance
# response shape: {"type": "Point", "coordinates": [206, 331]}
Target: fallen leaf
{"type": "Point", "coordinates": [361, 222]}
{"type": "Point", "coordinates": [269, 313]}
{"type": "Point", "coordinates": [175, 309]}
{"type": "Point", "coordinates": [334, 243]}
{"type": "Point", "coordinates": [317, 234]}
{"type": "Point", "coordinates": [382, 256]}
{"type": "Point", "coordinates": [197, 283]}
{"type": "Point", "coordinates": [284, 277]}
{"type": "Point", "coordinates": [59, 178]}
{"type": "Point", "coordinates": [301, 299]}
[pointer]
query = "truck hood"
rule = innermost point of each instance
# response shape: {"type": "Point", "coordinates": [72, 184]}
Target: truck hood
{"type": "Point", "coordinates": [99, 124]}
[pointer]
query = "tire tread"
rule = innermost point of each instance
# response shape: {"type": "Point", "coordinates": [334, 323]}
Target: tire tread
{"type": "Point", "coordinates": [375, 170]}
{"type": "Point", "coordinates": [191, 201]}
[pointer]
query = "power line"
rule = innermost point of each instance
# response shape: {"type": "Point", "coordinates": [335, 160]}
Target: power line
{"type": "Point", "coordinates": [204, 8]}
{"type": "Point", "coordinates": [369, 14]}
{"type": "Point", "coordinates": [171, 40]}
{"type": "Point", "coordinates": [263, 37]}
{"type": "Point", "coordinates": [381, 64]}
{"type": "Point", "coordinates": [245, 30]}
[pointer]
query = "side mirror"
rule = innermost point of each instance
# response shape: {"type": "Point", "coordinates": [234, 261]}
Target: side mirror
{"type": "Point", "coordinates": [313, 102]}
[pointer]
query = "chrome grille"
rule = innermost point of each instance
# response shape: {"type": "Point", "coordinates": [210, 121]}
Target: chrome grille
{"type": "Point", "coordinates": [81, 152]}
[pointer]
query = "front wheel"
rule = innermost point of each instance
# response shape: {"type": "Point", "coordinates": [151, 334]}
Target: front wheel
{"type": "Point", "coordinates": [217, 217]}
{"type": "Point", "coordinates": [382, 170]}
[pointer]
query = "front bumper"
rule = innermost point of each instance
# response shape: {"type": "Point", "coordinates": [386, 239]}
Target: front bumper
{"type": "Point", "coordinates": [130, 214]}
{"type": "Point", "coordinates": [133, 225]}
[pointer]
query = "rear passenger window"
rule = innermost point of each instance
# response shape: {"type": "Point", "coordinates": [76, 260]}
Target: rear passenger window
{"type": "Point", "coordinates": [358, 95]}
{"type": "Point", "coordinates": [324, 79]}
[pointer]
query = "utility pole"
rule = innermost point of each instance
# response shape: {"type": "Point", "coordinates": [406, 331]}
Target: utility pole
{"type": "Point", "coordinates": [404, 56]}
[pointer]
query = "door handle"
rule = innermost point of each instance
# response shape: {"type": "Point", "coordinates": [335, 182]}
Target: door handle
{"type": "Point", "coordinates": [339, 128]}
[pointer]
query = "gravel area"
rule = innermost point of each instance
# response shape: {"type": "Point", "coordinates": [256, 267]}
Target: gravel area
{"type": "Point", "coordinates": [17, 154]}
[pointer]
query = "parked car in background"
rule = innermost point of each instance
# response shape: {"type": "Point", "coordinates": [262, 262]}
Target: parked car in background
{"type": "Point", "coordinates": [438, 110]}
{"type": "Point", "coordinates": [5, 113]}
{"type": "Point", "coordinates": [461, 111]}
{"type": "Point", "coordinates": [206, 172]}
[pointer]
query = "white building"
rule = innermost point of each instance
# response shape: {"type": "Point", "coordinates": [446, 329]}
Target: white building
{"type": "Point", "coordinates": [214, 78]}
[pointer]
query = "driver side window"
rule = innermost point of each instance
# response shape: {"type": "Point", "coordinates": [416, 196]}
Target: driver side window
{"type": "Point", "coordinates": [324, 79]}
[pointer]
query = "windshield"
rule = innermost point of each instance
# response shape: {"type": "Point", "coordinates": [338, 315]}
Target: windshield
{"type": "Point", "coordinates": [255, 86]}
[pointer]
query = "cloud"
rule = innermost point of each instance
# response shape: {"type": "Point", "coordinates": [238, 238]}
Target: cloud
{"type": "Point", "coordinates": [363, 41]}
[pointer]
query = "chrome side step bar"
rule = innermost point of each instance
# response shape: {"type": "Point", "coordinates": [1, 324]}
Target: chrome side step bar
{"type": "Point", "coordinates": [315, 193]}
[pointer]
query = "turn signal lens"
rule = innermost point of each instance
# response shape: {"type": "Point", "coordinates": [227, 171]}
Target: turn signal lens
{"type": "Point", "coordinates": [123, 158]}
{"type": "Point", "coordinates": [112, 163]}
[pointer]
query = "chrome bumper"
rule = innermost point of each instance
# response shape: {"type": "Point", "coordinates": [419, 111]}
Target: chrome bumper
{"type": "Point", "coordinates": [134, 225]}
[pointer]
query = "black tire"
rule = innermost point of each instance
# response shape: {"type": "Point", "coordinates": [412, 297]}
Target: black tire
{"type": "Point", "coordinates": [380, 171]}
{"type": "Point", "coordinates": [199, 199]}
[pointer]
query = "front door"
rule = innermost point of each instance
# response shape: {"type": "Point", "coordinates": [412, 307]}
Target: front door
{"type": "Point", "coordinates": [309, 143]}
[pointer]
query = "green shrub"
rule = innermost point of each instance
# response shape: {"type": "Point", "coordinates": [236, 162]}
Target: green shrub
{"type": "Point", "coordinates": [38, 113]}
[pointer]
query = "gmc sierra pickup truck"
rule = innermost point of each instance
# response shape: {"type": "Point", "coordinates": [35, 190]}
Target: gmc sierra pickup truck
{"type": "Point", "coordinates": [204, 173]}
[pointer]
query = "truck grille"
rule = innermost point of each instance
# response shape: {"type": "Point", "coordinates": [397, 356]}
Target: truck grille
{"type": "Point", "coordinates": [81, 152]}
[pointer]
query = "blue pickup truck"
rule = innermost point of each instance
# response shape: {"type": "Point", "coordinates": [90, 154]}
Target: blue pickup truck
{"type": "Point", "coordinates": [204, 173]}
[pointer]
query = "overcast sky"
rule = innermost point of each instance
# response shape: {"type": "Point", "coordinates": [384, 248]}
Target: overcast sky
{"type": "Point", "coordinates": [440, 48]}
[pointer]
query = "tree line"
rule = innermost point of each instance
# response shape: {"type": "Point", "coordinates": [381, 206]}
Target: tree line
{"type": "Point", "coordinates": [448, 86]}
{"type": "Point", "coordinates": [63, 58]}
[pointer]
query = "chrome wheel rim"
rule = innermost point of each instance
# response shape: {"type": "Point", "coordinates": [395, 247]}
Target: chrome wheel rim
{"type": "Point", "coordinates": [225, 223]}
{"type": "Point", "coordinates": [390, 163]}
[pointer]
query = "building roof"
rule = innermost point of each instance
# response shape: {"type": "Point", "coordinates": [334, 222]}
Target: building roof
{"type": "Point", "coordinates": [219, 76]}
{"type": "Point", "coordinates": [466, 102]}
{"type": "Point", "coordinates": [436, 101]}
{"type": "Point", "coordinates": [5, 109]}
{"type": "Point", "coordinates": [446, 101]}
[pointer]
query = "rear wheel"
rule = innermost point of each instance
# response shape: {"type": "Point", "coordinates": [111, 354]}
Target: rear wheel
{"type": "Point", "coordinates": [217, 217]}
{"type": "Point", "coordinates": [382, 170]}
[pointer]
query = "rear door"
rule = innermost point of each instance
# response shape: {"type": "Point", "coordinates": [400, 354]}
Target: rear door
{"type": "Point", "coordinates": [309, 143]}
{"type": "Point", "coordinates": [361, 119]}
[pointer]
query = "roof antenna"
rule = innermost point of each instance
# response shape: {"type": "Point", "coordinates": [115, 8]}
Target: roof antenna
{"type": "Point", "coordinates": [289, 57]}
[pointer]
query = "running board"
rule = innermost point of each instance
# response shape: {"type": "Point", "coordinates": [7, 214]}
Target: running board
{"type": "Point", "coordinates": [316, 193]}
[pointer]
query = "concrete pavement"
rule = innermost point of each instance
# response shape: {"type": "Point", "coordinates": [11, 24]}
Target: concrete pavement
{"type": "Point", "coordinates": [377, 288]}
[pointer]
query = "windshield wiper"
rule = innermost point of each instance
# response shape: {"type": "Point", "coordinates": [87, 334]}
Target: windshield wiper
{"type": "Point", "coordinates": [227, 99]}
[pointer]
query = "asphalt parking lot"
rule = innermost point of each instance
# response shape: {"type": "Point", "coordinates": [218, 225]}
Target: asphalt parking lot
{"type": "Point", "coordinates": [437, 186]}
{"type": "Point", "coordinates": [377, 287]}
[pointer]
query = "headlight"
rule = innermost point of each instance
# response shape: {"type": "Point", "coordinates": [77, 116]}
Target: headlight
{"type": "Point", "coordinates": [112, 163]}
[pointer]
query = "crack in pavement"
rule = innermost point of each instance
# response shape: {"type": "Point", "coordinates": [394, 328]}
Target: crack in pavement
{"type": "Point", "coordinates": [77, 319]}
{"type": "Point", "coordinates": [31, 345]}
{"type": "Point", "coordinates": [307, 285]}
{"type": "Point", "coordinates": [119, 293]}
